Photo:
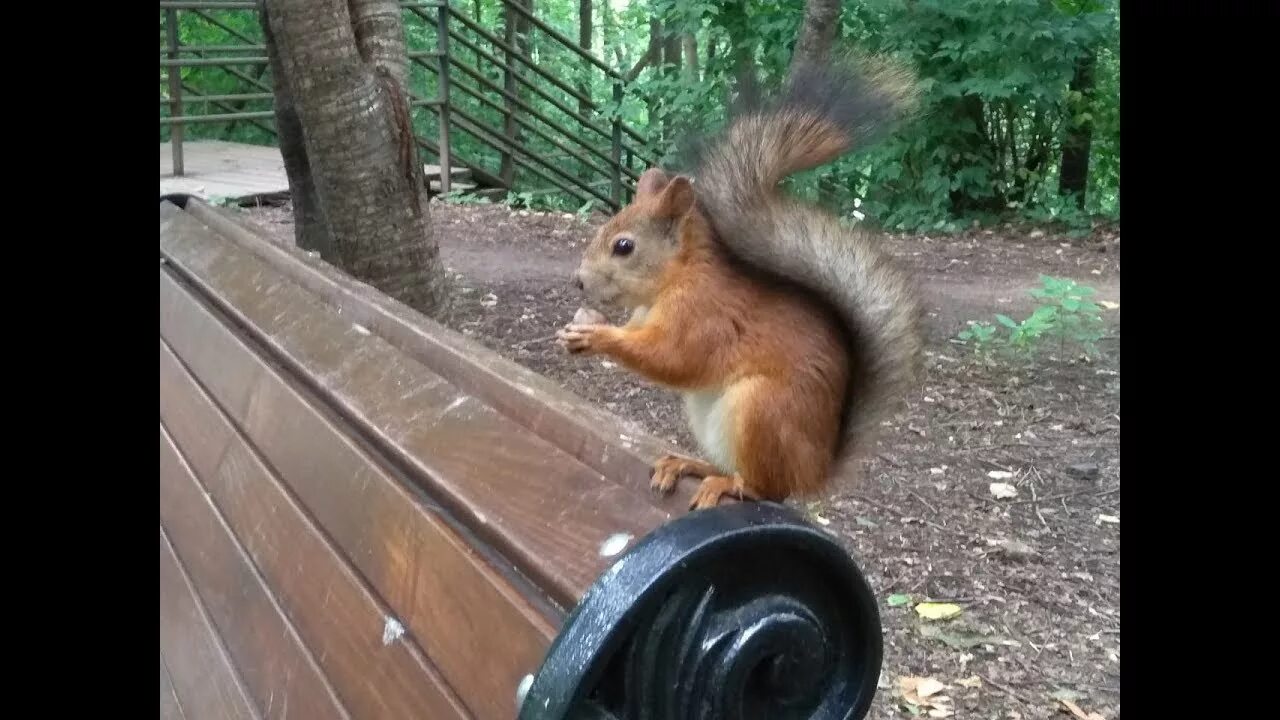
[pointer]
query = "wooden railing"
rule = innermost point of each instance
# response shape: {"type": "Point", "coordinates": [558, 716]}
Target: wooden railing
{"type": "Point", "coordinates": [532, 131]}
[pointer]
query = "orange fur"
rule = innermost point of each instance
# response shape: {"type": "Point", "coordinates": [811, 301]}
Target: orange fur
{"type": "Point", "coordinates": [781, 387]}
{"type": "Point", "coordinates": [775, 357]}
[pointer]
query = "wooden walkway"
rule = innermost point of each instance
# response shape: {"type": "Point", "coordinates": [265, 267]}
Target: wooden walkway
{"type": "Point", "coordinates": [236, 171]}
{"type": "Point", "coordinates": [217, 169]}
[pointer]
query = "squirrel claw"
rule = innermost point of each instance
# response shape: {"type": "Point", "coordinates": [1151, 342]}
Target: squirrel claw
{"type": "Point", "coordinates": [577, 338]}
{"type": "Point", "coordinates": [715, 487]}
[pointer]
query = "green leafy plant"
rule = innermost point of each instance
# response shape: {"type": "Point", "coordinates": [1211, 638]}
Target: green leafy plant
{"type": "Point", "coordinates": [1067, 314]}
{"type": "Point", "coordinates": [979, 334]}
{"type": "Point", "coordinates": [463, 197]}
{"type": "Point", "coordinates": [584, 211]}
{"type": "Point", "coordinates": [519, 199]}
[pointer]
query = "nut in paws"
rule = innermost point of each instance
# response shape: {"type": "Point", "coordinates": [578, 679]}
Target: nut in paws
{"type": "Point", "coordinates": [579, 338]}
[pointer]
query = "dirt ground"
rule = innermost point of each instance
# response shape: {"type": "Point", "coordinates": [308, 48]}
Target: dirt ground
{"type": "Point", "coordinates": [1036, 575]}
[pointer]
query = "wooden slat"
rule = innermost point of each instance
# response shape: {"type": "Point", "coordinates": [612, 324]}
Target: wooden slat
{"type": "Point", "coordinates": [508, 485]}
{"type": "Point", "coordinates": [457, 608]}
{"type": "Point", "coordinates": [336, 615]}
{"type": "Point", "coordinates": [622, 452]}
{"type": "Point", "coordinates": [279, 674]}
{"type": "Point", "coordinates": [169, 707]}
{"type": "Point", "coordinates": [206, 683]}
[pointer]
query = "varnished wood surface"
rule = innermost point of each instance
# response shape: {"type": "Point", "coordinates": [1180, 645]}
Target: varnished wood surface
{"type": "Point", "coordinates": [206, 684]}
{"type": "Point", "coordinates": [338, 471]}
{"type": "Point", "coordinates": [617, 449]}
{"type": "Point", "coordinates": [277, 669]}
{"type": "Point", "coordinates": [508, 485]}
{"type": "Point", "coordinates": [340, 619]}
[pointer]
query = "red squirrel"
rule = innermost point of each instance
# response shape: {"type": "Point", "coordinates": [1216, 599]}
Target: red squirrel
{"type": "Point", "coordinates": [789, 335]}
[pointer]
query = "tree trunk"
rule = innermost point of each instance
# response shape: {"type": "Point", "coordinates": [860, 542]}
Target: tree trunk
{"type": "Point", "coordinates": [477, 14]}
{"type": "Point", "coordinates": [972, 108]}
{"type": "Point", "coordinates": [689, 43]}
{"type": "Point", "coordinates": [1073, 174]}
{"type": "Point", "coordinates": [745, 89]}
{"type": "Point", "coordinates": [817, 32]}
{"type": "Point", "coordinates": [516, 27]}
{"type": "Point", "coordinates": [584, 87]}
{"type": "Point", "coordinates": [310, 230]}
{"type": "Point", "coordinates": [584, 39]}
{"type": "Point", "coordinates": [671, 62]}
{"type": "Point", "coordinates": [340, 72]}
{"type": "Point", "coordinates": [652, 52]}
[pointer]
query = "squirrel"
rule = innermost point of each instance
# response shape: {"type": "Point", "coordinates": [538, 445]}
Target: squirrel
{"type": "Point", "coordinates": [789, 335]}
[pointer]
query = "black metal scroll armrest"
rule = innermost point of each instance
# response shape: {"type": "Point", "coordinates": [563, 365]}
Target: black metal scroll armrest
{"type": "Point", "coordinates": [743, 611]}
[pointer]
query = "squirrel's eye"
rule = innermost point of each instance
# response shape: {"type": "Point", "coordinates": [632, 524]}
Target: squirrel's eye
{"type": "Point", "coordinates": [623, 246]}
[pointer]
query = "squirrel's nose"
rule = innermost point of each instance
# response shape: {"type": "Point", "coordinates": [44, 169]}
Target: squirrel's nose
{"type": "Point", "coordinates": [577, 281]}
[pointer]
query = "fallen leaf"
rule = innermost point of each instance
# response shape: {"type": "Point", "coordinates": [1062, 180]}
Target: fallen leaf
{"type": "Point", "coordinates": [999, 474]}
{"type": "Point", "coordinates": [938, 611]}
{"type": "Point", "coordinates": [821, 520]}
{"type": "Point", "coordinates": [1065, 695]}
{"type": "Point", "coordinates": [489, 300]}
{"type": "Point", "coordinates": [1080, 714]}
{"type": "Point", "coordinates": [956, 639]}
{"type": "Point", "coordinates": [919, 693]}
{"type": "Point", "coordinates": [1113, 519]}
{"type": "Point", "coordinates": [1108, 304]}
{"type": "Point", "coordinates": [898, 600]}
{"type": "Point", "coordinates": [929, 686]}
{"type": "Point", "coordinates": [865, 522]}
{"type": "Point", "coordinates": [1003, 491]}
{"type": "Point", "coordinates": [970, 682]}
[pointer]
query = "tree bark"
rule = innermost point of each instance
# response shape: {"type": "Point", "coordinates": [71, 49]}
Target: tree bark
{"type": "Point", "coordinates": [689, 43]}
{"type": "Point", "coordinates": [671, 62]}
{"type": "Point", "coordinates": [310, 230]}
{"type": "Point", "coordinates": [516, 29]}
{"type": "Point", "coordinates": [817, 32]}
{"type": "Point", "coordinates": [652, 53]}
{"type": "Point", "coordinates": [1073, 173]}
{"type": "Point", "coordinates": [584, 87]}
{"type": "Point", "coordinates": [972, 108]}
{"type": "Point", "coordinates": [745, 89]}
{"type": "Point", "coordinates": [340, 70]}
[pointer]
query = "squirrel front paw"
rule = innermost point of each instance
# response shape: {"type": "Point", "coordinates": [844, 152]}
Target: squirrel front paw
{"type": "Point", "coordinates": [668, 470]}
{"type": "Point", "coordinates": [581, 339]}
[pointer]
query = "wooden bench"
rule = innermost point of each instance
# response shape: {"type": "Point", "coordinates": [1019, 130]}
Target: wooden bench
{"type": "Point", "coordinates": [366, 515]}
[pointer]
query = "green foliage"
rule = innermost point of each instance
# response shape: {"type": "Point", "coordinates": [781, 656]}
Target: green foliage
{"type": "Point", "coordinates": [994, 76]}
{"type": "Point", "coordinates": [987, 146]}
{"type": "Point", "coordinates": [1067, 315]}
{"type": "Point", "coordinates": [463, 197]}
{"type": "Point", "coordinates": [194, 30]}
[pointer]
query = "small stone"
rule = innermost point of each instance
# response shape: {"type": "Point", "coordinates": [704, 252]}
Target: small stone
{"type": "Point", "coordinates": [1016, 550]}
{"type": "Point", "coordinates": [1083, 471]}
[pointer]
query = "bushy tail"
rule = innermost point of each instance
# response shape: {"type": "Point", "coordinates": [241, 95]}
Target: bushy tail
{"type": "Point", "coordinates": [823, 113]}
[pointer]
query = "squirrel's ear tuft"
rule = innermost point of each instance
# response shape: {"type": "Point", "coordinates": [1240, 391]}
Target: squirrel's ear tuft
{"type": "Point", "coordinates": [651, 182]}
{"type": "Point", "coordinates": [676, 199]}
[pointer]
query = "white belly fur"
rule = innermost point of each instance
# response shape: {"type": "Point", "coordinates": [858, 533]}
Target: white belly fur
{"type": "Point", "coordinates": [709, 418]}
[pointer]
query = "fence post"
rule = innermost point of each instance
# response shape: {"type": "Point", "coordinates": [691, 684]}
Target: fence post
{"type": "Point", "coordinates": [442, 47]}
{"type": "Point", "coordinates": [175, 91]}
{"type": "Point", "coordinates": [616, 190]}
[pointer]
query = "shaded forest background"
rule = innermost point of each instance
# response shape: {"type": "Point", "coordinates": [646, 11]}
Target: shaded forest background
{"type": "Point", "coordinates": [1021, 97]}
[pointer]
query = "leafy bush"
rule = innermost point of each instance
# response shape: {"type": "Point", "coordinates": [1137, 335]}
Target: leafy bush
{"type": "Point", "coordinates": [1068, 315]}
